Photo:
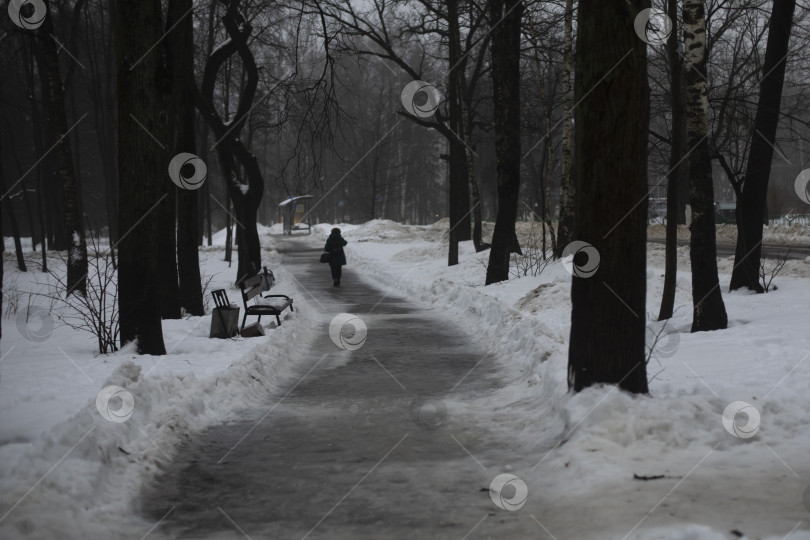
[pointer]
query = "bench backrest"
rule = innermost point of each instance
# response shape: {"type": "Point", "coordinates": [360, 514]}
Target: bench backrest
{"type": "Point", "coordinates": [251, 287]}
{"type": "Point", "coordinates": [220, 298]}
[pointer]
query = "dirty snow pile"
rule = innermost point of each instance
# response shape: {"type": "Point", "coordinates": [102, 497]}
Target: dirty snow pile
{"type": "Point", "coordinates": [81, 433]}
{"type": "Point", "coordinates": [698, 475]}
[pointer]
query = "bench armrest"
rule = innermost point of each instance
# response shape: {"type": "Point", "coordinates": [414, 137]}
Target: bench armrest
{"type": "Point", "coordinates": [277, 296]}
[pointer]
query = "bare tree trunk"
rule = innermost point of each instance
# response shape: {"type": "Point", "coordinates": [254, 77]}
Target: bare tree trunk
{"type": "Point", "coordinates": [549, 169]}
{"type": "Point", "coordinates": [228, 232]}
{"type": "Point", "coordinates": [458, 199]}
{"type": "Point", "coordinates": [168, 286]}
{"type": "Point", "coordinates": [752, 204]}
{"type": "Point", "coordinates": [709, 311]}
{"type": "Point", "coordinates": [230, 149]}
{"type": "Point", "coordinates": [74, 234]}
{"type": "Point", "coordinates": [39, 149]}
{"type": "Point", "coordinates": [180, 43]}
{"type": "Point", "coordinates": [478, 228]}
{"type": "Point", "coordinates": [375, 161]}
{"type": "Point", "coordinates": [209, 234]}
{"type": "Point", "coordinates": [608, 292]}
{"type": "Point", "coordinates": [24, 196]}
{"type": "Point", "coordinates": [567, 193]}
{"type": "Point", "coordinates": [403, 189]}
{"type": "Point", "coordinates": [2, 260]}
{"type": "Point", "coordinates": [54, 217]}
{"type": "Point", "coordinates": [15, 231]}
{"type": "Point", "coordinates": [32, 226]}
{"type": "Point", "coordinates": [465, 123]}
{"type": "Point", "coordinates": [40, 187]}
{"type": "Point", "coordinates": [102, 95]}
{"type": "Point", "coordinates": [30, 215]}
{"type": "Point", "coordinates": [205, 153]}
{"type": "Point", "coordinates": [504, 19]}
{"type": "Point", "coordinates": [141, 170]}
{"type": "Point", "coordinates": [675, 157]}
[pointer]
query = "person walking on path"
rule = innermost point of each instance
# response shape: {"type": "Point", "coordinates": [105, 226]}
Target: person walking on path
{"type": "Point", "coordinates": [337, 258]}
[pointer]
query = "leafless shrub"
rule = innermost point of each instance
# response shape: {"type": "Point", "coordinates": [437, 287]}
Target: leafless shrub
{"type": "Point", "coordinates": [206, 286]}
{"type": "Point", "coordinates": [11, 300]}
{"type": "Point", "coordinates": [16, 300]}
{"type": "Point", "coordinates": [533, 260]}
{"type": "Point", "coordinates": [661, 342]}
{"type": "Point", "coordinates": [30, 307]}
{"type": "Point", "coordinates": [767, 272]}
{"type": "Point", "coordinates": [97, 311]}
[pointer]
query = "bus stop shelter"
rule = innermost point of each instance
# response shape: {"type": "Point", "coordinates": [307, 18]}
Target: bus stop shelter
{"type": "Point", "coordinates": [293, 211]}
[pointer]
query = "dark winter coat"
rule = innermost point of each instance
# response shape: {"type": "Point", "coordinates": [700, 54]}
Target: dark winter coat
{"type": "Point", "coordinates": [334, 245]}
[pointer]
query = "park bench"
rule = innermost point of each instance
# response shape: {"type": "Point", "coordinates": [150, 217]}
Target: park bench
{"type": "Point", "coordinates": [251, 289]}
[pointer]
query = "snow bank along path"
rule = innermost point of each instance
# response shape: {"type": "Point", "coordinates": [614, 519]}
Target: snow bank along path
{"type": "Point", "coordinates": [713, 482]}
{"type": "Point", "coordinates": [71, 473]}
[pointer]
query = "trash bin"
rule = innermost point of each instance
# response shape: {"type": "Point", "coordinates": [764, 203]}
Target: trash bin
{"type": "Point", "coordinates": [224, 322]}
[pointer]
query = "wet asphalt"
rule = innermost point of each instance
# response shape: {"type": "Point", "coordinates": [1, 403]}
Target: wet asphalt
{"type": "Point", "coordinates": [360, 445]}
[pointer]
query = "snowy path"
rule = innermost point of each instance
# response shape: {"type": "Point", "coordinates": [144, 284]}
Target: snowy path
{"type": "Point", "coordinates": [350, 451]}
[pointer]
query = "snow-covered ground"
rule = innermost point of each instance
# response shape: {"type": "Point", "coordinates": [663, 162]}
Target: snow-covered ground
{"type": "Point", "coordinates": [578, 453]}
{"type": "Point", "coordinates": [67, 472]}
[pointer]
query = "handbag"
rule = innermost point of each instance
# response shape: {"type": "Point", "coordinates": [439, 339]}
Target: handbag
{"type": "Point", "coordinates": [268, 279]}
{"type": "Point", "coordinates": [325, 257]}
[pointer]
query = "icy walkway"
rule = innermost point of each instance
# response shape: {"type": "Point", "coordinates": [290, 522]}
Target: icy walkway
{"type": "Point", "coordinates": [359, 447]}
